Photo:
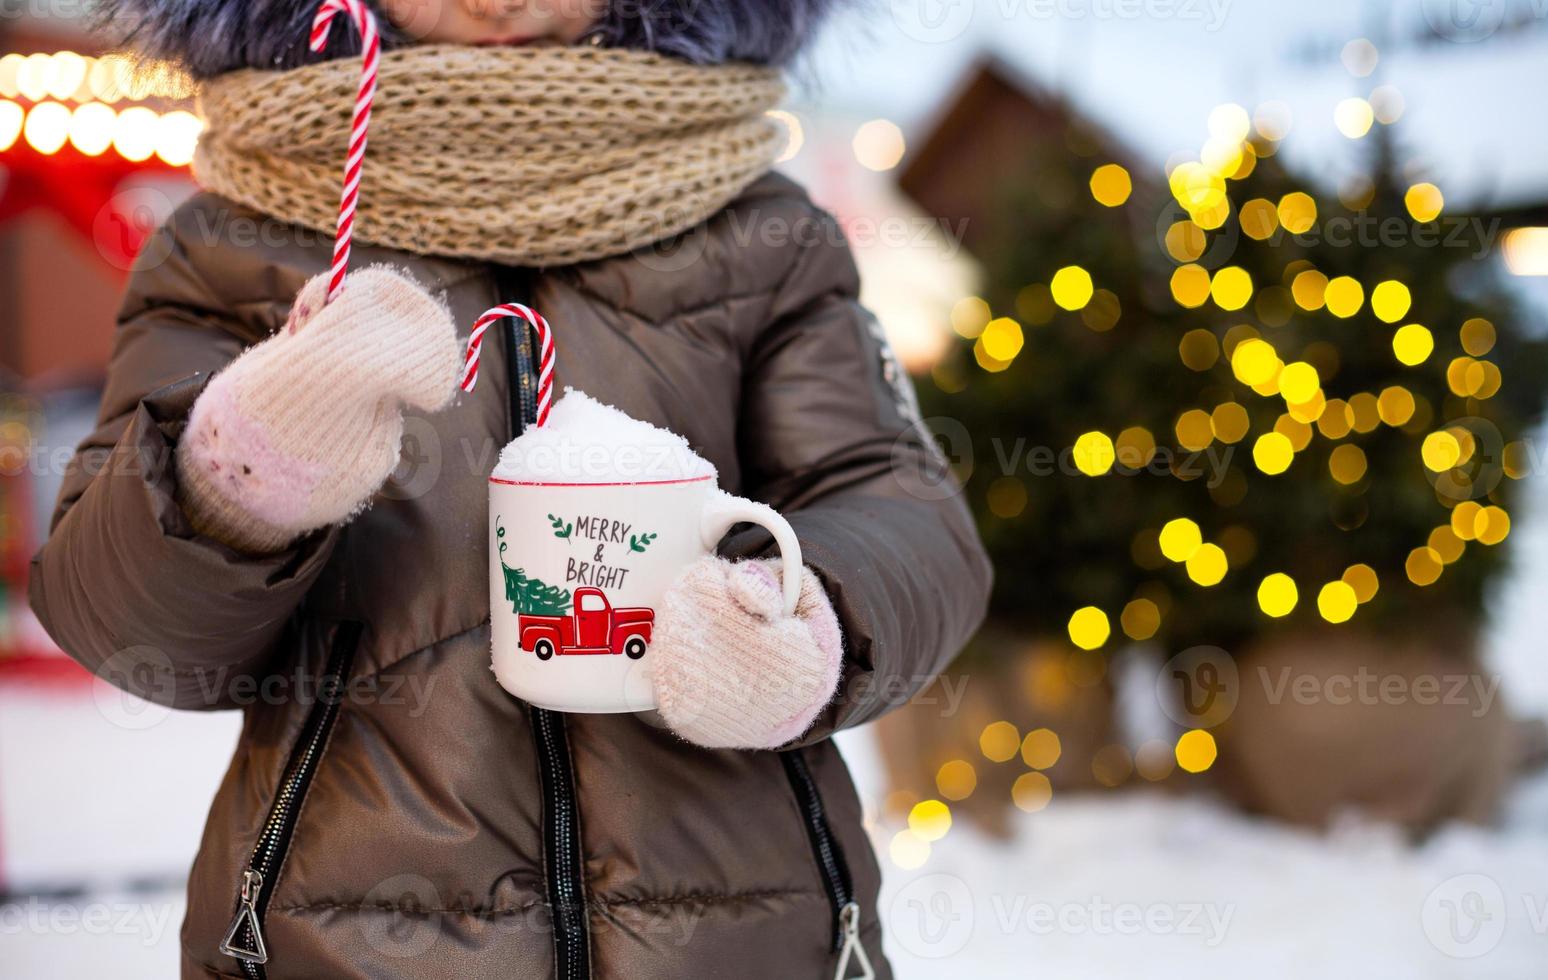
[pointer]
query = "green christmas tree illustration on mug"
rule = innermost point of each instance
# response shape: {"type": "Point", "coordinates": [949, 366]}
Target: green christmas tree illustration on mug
{"type": "Point", "coordinates": [526, 594]}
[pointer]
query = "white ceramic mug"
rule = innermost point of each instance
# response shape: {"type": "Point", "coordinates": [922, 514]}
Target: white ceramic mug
{"type": "Point", "coordinates": [577, 571]}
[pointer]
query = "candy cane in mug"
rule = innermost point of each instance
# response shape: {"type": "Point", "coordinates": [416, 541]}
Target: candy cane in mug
{"type": "Point", "coordinates": [545, 351]}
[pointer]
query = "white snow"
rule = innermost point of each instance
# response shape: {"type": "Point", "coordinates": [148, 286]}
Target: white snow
{"type": "Point", "coordinates": [585, 441]}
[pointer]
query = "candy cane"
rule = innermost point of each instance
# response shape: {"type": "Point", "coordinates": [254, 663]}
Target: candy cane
{"type": "Point", "coordinates": [371, 45]}
{"type": "Point", "coordinates": [545, 351]}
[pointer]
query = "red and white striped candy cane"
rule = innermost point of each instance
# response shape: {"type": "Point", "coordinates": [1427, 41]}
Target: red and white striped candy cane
{"type": "Point", "coordinates": [371, 48]}
{"type": "Point", "coordinates": [545, 351]}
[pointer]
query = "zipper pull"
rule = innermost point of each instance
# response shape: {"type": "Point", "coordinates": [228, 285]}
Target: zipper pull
{"type": "Point", "coordinates": [849, 921]}
{"type": "Point", "coordinates": [247, 914]}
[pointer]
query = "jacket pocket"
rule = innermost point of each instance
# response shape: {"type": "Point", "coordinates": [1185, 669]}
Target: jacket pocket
{"type": "Point", "coordinates": [831, 867]}
{"type": "Point", "coordinates": [244, 938]}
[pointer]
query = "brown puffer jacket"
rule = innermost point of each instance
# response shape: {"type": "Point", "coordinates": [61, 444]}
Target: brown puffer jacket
{"type": "Point", "coordinates": [392, 811]}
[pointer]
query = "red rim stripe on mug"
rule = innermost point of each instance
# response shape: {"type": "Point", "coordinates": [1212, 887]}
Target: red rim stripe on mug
{"type": "Point", "coordinates": [371, 47]}
{"type": "Point", "coordinates": [545, 352]}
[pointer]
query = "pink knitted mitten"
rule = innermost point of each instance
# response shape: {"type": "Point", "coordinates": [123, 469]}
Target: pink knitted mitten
{"type": "Point", "coordinates": [731, 670]}
{"type": "Point", "coordinates": [303, 428]}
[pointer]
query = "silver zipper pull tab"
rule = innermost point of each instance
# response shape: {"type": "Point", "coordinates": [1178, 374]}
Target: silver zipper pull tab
{"type": "Point", "coordinates": [849, 921]}
{"type": "Point", "coordinates": [247, 914]}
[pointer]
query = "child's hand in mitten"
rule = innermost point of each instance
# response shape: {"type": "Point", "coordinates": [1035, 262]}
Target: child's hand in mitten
{"type": "Point", "coordinates": [301, 429]}
{"type": "Point", "coordinates": [731, 670]}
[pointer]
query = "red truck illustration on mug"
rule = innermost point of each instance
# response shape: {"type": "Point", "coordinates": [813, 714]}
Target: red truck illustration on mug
{"type": "Point", "coordinates": [593, 627]}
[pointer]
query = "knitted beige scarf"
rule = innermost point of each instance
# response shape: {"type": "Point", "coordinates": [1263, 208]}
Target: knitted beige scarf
{"type": "Point", "coordinates": [523, 156]}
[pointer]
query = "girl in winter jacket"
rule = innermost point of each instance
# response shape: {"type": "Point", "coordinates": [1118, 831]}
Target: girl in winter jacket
{"type": "Point", "coordinates": [283, 508]}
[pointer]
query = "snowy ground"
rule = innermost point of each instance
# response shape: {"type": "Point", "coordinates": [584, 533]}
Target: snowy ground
{"type": "Point", "coordinates": [99, 793]}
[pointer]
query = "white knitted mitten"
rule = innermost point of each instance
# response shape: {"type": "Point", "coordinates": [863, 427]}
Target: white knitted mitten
{"type": "Point", "coordinates": [300, 430]}
{"type": "Point", "coordinates": [731, 670]}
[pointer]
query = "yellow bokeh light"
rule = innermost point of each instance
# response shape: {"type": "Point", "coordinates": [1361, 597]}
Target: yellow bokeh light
{"type": "Point", "coordinates": [1299, 383]}
{"type": "Point", "coordinates": [1412, 344]}
{"type": "Point", "coordinates": [1185, 241]}
{"type": "Point", "coordinates": [91, 128]}
{"type": "Point", "coordinates": [1362, 578]}
{"type": "Point", "coordinates": [12, 117]}
{"type": "Point", "coordinates": [1423, 566]}
{"type": "Point", "coordinates": [1196, 187]}
{"type": "Point", "coordinates": [1424, 201]}
{"type": "Point", "coordinates": [1464, 518]}
{"type": "Point", "coordinates": [1180, 538]}
{"type": "Point", "coordinates": [1353, 117]}
{"type": "Point", "coordinates": [795, 134]}
{"type": "Point", "coordinates": [1231, 288]}
{"type": "Point", "coordinates": [1196, 750]}
{"type": "Point", "coordinates": [1336, 601]}
{"type": "Point", "coordinates": [1395, 405]}
{"type": "Point", "coordinates": [1273, 453]}
{"type": "Point", "coordinates": [1208, 565]}
{"type": "Point", "coordinates": [1444, 542]}
{"type": "Point", "coordinates": [1297, 431]}
{"type": "Point", "coordinates": [1309, 289]}
{"type": "Point", "coordinates": [1440, 451]}
{"type": "Point", "coordinates": [1135, 447]}
{"type": "Point", "coordinates": [1229, 121]}
{"type": "Point", "coordinates": [1363, 412]}
{"type": "Point", "coordinates": [1344, 296]}
{"type": "Point", "coordinates": [969, 316]}
{"type": "Point", "coordinates": [47, 127]}
{"type": "Point", "coordinates": [1259, 219]}
{"type": "Point", "coordinates": [1254, 362]}
{"type": "Point", "coordinates": [1491, 525]}
{"type": "Point", "coordinates": [956, 779]}
{"type": "Point", "coordinates": [1071, 287]}
{"type": "Point", "coordinates": [1347, 464]}
{"type": "Point", "coordinates": [1193, 430]}
{"type": "Point", "coordinates": [1140, 619]}
{"type": "Point", "coordinates": [1229, 422]}
{"type": "Point", "coordinates": [1031, 792]}
{"type": "Point", "coordinates": [929, 819]}
{"type": "Point", "coordinates": [1336, 419]}
{"type": "Point", "coordinates": [1094, 453]}
{"type": "Point", "coordinates": [1198, 349]}
{"type": "Point", "coordinates": [878, 144]}
{"type": "Point", "coordinates": [1190, 285]}
{"type": "Point", "coordinates": [1277, 595]}
{"type": "Point", "coordinates": [1002, 338]}
{"type": "Point", "coordinates": [177, 135]}
{"type": "Point", "coordinates": [1007, 497]}
{"type": "Point", "coordinates": [135, 133]}
{"type": "Point", "coordinates": [1390, 301]}
{"type": "Point", "coordinates": [1041, 749]}
{"type": "Point", "coordinates": [908, 851]}
{"type": "Point", "coordinates": [999, 741]}
{"type": "Point", "coordinates": [1110, 185]}
{"type": "Point", "coordinates": [1477, 336]}
{"type": "Point", "coordinates": [1089, 628]}
{"type": "Point", "coordinates": [1297, 212]}
{"type": "Point", "coordinates": [986, 362]}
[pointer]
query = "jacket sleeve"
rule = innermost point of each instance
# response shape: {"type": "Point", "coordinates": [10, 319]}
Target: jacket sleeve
{"type": "Point", "coordinates": [123, 583]}
{"type": "Point", "coordinates": [830, 436]}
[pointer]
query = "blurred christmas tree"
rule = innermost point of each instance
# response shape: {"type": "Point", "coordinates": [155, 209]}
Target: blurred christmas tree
{"type": "Point", "coordinates": [1270, 405]}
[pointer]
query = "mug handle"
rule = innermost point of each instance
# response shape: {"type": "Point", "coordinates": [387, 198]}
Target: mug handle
{"type": "Point", "coordinates": [724, 510]}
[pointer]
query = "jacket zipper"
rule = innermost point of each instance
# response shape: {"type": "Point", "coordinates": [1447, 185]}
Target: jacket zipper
{"type": "Point", "coordinates": [831, 864]}
{"type": "Point", "coordinates": [244, 938]}
{"type": "Point", "coordinates": [561, 825]}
